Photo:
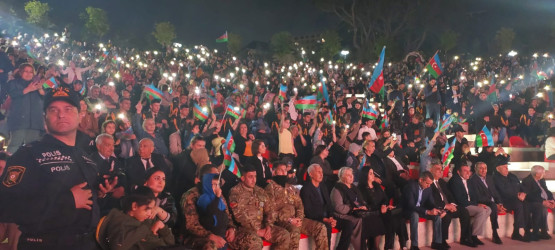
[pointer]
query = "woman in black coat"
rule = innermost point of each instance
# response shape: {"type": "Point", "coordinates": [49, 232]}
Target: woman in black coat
{"type": "Point", "coordinates": [262, 166]}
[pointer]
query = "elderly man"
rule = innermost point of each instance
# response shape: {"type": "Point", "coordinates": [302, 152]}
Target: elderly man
{"type": "Point", "coordinates": [538, 200]}
{"type": "Point", "coordinates": [137, 165]}
{"type": "Point", "coordinates": [149, 130]}
{"type": "Point", "coordinates": [254, 214]}
{"type": "Point", "coordinates": [465, 197]}
{"type": "Point", "coordinates": [418, 203]}
{"type": "Point", "coordinates": [487, 194]}
{"type": "Point", "coordinates": [290, 211]}
{"type": "Point", "coordinates": [444, 199]}
{"type": "Point", "coordinates": [109, 167]}
{"type": "Point", "coordinates": [511, 192]}
{"type": "Point", "coordinates": [318, 206]}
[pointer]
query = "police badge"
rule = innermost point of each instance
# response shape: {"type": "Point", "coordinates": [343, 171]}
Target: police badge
{"type": "Point", "coordinates": [14, 174]}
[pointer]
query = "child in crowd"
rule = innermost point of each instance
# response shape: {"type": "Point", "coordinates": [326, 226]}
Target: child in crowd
{"type": "Point", "coordinates": [211, 207]}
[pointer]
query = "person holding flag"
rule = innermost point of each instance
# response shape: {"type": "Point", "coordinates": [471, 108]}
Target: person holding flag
{"type": "Point", "coordinates": [459, 140]}
{"type": "Point", "coordinates": [433, 100]}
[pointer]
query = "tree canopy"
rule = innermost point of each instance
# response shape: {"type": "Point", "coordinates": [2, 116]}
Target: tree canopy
{"type": "Point", "coordinates": [164, 33]}
{"type": "Point", "coordinates": [37, 13]}
{"type": "Point", "coordinates": [96, 22]}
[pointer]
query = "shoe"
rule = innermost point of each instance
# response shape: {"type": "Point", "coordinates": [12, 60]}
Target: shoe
{"type": "Point", "coordinates": [495, 239]}
{"type": "Point", "coordinates": [519, 237]}
{"type": "Point", "coordinates": [468, 243]}
{"type": "Point", "coordinates": [438, 246]}
{"type": "Point", "coordinates": [414, 248]}
{"type": "Point", "coordinates": [445, 244]}
{"type": "Point", "coordinates": [533, 236]}
{"type": "Point", "coordinates": [544, 236]}
{"type": "Point", "coordinates": [477, 241]}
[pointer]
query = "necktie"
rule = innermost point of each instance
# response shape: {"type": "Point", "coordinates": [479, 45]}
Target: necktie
{"type": "Point", "coordinates": [440, 191]}
{"type": "Point", "coordinates": [148, 165]}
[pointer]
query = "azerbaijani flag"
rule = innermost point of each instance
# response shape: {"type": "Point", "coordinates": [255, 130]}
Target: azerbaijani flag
{"type": "Point", "coordinates": [104, 55]}
{"type": "Point", "coordinates": [369, 112]}
{"type": "Point", "coordinates": [484, 138]}
{"type": "Point", "coordinates": [282, 92]}
{"type": "Point", "coordinates": [199, 113]}
{"type": "Point", "coordinates": [329, 118]}
{"type": "Point", "coordinates": [448, 152]}
{"type": "Point", "coordinates": [445, 124]}
{"type": "Point", "coordinates": [362, 162]}
{"type": "Point", "coordinates": [222, 38]}
{"type": "Point", "coordinates": [434, 66]}
{"type": "Point", "coordinates": [323, 93]}
{"type": "Point", "coordinates": [152, 92]}
{"type": "Point", "coordinates": [385, 121]}
{"type": "Point", "coordinates": [541, 75]}
{"type": "Point", "coordinates": [231, 166]}
{"type": "Point", "coordinates": [229, 142]}
{"type": "Point", "coordinates": [308, 102]}
{"type": "Point", "coordinates": [50, 83]}
{"type": "Point", "coordinates": [231, 112]}
{"type": "Point", "coordinates": [83, 90]}
{"type": "Point", "coordinates": [376, 82]}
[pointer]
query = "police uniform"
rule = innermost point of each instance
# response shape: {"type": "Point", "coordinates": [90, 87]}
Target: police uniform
{"type": "Point", "coordinates": [288, 205]}
{"type": "Point", "coordinates": [35, 192]}
{"type": "Point", "coordinates": [252, 210]}
{"type": "Point", "coordinates": [195, 235]}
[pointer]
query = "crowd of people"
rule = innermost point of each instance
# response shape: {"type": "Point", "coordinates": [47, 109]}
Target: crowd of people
{"type": "Point", "coordinates": [191, 148]}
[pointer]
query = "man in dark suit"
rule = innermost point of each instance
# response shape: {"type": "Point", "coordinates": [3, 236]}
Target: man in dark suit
{"type": "Point", "coordinates": [418, 202]}
{"type": "Point", "coordinates": [487, 194]}
{"type": "Point", "coordinates": [318, 207]}
{"type": "Point", "coordinates": [137, 165]}
{"type": "Point", "coordinates": [538, 200]}
{"type": "Point", "coordinates": [443, 199]}
{"type": "Point", "coordinates": [513, 196]}
{"type": "Point", "coordinates": [109, 168]}
{"type": "Point", "coordinates": [458, 151]}
{"type": "Point", "coordinates": [396, 169]}
{"type": "Point", "coordinates": [465, 197]}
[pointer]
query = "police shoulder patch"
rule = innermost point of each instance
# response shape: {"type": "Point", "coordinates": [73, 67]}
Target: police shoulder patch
{"type": "Point", "coordinates": [13, 176]}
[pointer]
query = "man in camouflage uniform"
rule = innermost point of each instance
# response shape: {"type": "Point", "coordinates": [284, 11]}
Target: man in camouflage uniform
{"type": "Point", "coordinates": [253, 212]}
{"type": "Point", "coordinates": [289, 210]}
{"type": "Point", "coordinates": [196, 236]}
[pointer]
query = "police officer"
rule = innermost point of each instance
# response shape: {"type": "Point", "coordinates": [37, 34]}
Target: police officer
{"type": "Point", "coordinates": [49, 187]}
{"type": "Point", "coordinates": [252, 210]}
{"type": "Point", "coordinates": [289, 209]}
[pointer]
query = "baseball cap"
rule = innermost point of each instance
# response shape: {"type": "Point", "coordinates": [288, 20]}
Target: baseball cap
{"type": "Point", "coordinates": [61, 94]}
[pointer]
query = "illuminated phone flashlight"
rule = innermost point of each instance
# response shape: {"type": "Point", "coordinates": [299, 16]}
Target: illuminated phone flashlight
{"type": "Point", "coordinates": [98, 107]}
{"type": "Point", "coordinates": [236, 108]}
{"type": "Point", "coordinates": [333, 122]}
{"type": "Point", "coordinates": [295, 89]}
{"type": "Point", "coordinates": [60, 62]}
{"type": "Point", "coordinates": [197, 91]}
{"type": "Point", "coordinates": [234, 58]}
{"type": "Point", "coordinates": [266, 64]}
{"type": "Point", "coordinates": [111, 84]}
{"type": "Point", "coordinates": [241, 86]}
{"type": "Point", "coordinates": [550, 116]}
{"type": "Point", "coordinates": [231, 75]}
{"type": "Point", "coordinates": [155, 52]}
{"type": "Point", "coordinates": [347, 126]}
{"type": "Point", "coordinates": [100, 70]}
{"type": "Point", "coordinates": [121, 116]}
{"type": "Point", "coordinates": [205, 109]}
{"type": "Point", "coordinates": [547, 87]}
{"type": "Point", "coordinates": [266, 105]}
{"type": "Point", "coordinates": [101, 45]}
{"type": "Point", "coordinates": [256, 82]}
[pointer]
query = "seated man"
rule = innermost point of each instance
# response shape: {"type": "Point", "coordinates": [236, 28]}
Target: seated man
{"type": "Point", "coordinates": [318, 207]}
{"type": "Point", "coordinates": [109, 168]}
{"type": "Point", "coordinates": [253, 213]}
{"type": "Point", "coordinates": [487, 194]}
{"type": "Point", "coordinates": [511, 193]}
{"type": "Point", "coordinates": [137, 165]}
{"type": "Point", "coordinates": [538, 200]}
{"type": "Point", "coordinates": [465, 197]}
{"type": "Point", "coordinates": [444, 199]}
{"type": "Point", "coordinates": [195, 236]}
{"type": "Point", "coordinates": [290, 211]}
{"type": "Point", "coordinates": [418, 202]}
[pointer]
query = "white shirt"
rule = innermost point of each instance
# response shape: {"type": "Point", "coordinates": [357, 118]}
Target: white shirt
{"type": "Point", "coordinates": [365, 128]}
{"type": "Point", "coordinates": [466, 187]}
{"type": "Point", "coordinates": [146, 163]}
{"type": "Point", "coordinates": [397, 164]}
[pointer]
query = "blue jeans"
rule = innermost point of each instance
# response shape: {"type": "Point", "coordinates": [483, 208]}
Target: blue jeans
{"type": "Point", "coordinates": [502, 135]}
{"type": "Point", "coordinates": [433, 111]}
{"type": "Point", "coordinates": [437, 236]}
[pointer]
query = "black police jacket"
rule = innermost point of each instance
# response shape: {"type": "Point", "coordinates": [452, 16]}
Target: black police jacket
{"type": "Point", "coordinates": [35, 192]}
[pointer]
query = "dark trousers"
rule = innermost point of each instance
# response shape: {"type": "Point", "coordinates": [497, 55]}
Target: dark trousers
{"type": "Point", "coordinates": [536, 216]}
{"type": "Point", "coordinates": [464, 219]}
{"type": "Point", "coordinates": [519, 213]}
{"type": "Point", "coordinates": [394, 224]}
{"type": "Point", "coordinates": [346, 228]}
{"type": "Point", "coordinates": [493, 216]}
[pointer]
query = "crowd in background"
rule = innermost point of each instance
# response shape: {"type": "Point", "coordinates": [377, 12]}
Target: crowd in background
{"type": "Point", "coordinates": [171, 140]}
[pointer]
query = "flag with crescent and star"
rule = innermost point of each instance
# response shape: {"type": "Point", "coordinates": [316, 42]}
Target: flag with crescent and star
{"type": "Point", "coordinates": [434, 66]}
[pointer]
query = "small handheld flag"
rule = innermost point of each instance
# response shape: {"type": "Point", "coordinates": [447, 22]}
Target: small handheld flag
{"type": "Point", "coordinates": [50, 83]}
{"type": "Point", "coordinates": [484, 138]}
{"type": "Point", "coordinates": [229, 110]}
{"type": "Point", "coordinates": [223, 38]}
{"type": "Point", "coordinates": [369, 112]}
{"type": "Point", "coordinates": [200, 113]}
{"type": "Point", "coordinates": [229, 142]}
{"type": "Point", "coordinates": [282, 92]}
{"type": "Point", "coordinates": [434, 66]}
{"type": "Point", "coordinates": [308, 102]}
{"type": "Point", "coordinates": [362, 162]}
{"type": "Point", "coordinates": [448, 152]}
{"type": "Point", "coordinates": [153, 92]}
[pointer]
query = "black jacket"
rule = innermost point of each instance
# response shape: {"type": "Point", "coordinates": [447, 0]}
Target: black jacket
{"type": "Point", "coordinates": [448, 196]}
{"type": "Point", "coordinates": [410, 199]}
{"type": "Point", "coordinates": [533, 191]}
{"type": "Point", "coordinates": [459, 192]}
{"type": "Point", "coordinates": [263, 171]}
{"type": "Point", "coordinates": [135, 169]}
{"type": "Point", "coordinates": [483, 193]}
{"type": "Point", "coordinates": [315, 208]}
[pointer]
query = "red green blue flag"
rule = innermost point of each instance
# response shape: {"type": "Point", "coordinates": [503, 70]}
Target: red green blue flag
{"type": "Point", "coordinates": [223, 38]}
{"type": "Point", "coordinates": [434, 66]}
{"type": "Point", "coordinates": [323, 92]}
{"type": "Point", "coordinates": [230, 163]}
{"type": "Point", "coordinates": [229, 142]}
{"type": "Point", "coordinates": [50, 83]}
{"type": "Point", "coordinates": [362, 162]}
{"type": "Point", "coordinates": [369, 112]}
{"type": "Point", "coordinates": [308, 102]}
{"type": "Point", "coordinates": [448, 152]}
{"type": "Point", "coordinates": [377, 81]}
{"type": "Point", "coordinates": [200, 113]}
{"type": "Point", "coordinates": [282, 92]}
{"type": "Point", "coordinates": [329, 118]}
{"type": "Point", "coordinates": [385, 121]}
{"type": "Point", "coordinates": [445, 124]}
{"type": "Point", "coordinates": [229, 110]}
{"type": "Point", "coordinates": [152, 92]}
{"type": "Point", "coordinates": [484, 138]}
{"type": "Point", "coordinates": [104, 55]}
